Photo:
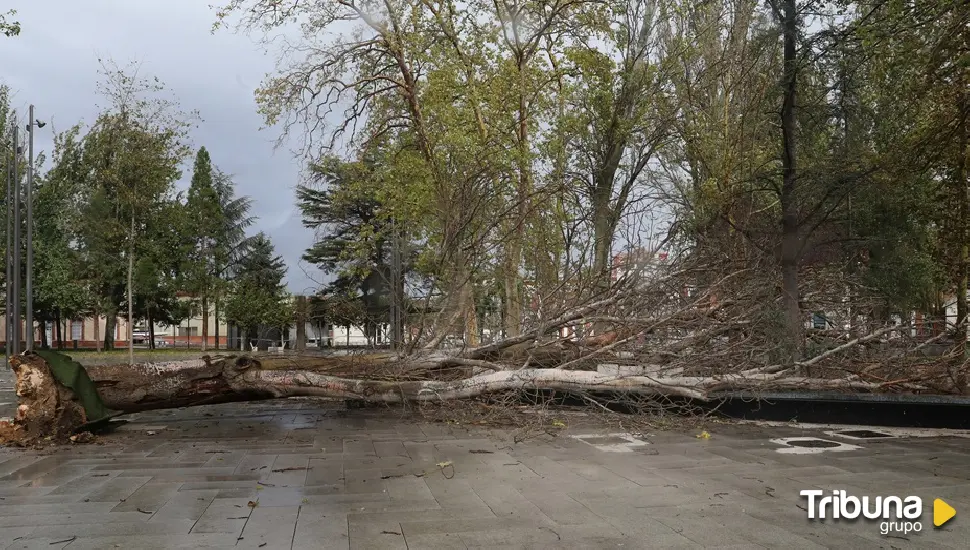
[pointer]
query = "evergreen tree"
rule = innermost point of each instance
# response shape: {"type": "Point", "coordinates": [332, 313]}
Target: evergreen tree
{"type": "Point", "coordinates": [232, 244]}
{"type": "Point", "coordinates": [205, 228]}
{"type": "Point", "coordinates": [355, 241]}
{"type": "Point", "coordinates": [258, 300]}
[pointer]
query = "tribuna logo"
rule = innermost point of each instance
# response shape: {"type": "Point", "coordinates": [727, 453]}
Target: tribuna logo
{"type": "Point", "coordinates": [839, 505]}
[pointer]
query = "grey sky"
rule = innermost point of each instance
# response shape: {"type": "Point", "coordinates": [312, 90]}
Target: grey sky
{"type": "Point", "coordinates": [54, 65]}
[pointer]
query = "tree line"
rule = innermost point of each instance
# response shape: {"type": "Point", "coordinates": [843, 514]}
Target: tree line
{"type": "Point", "coordinates": [815, 151]}
{"type": "Point", "coordinates": [114, 237]}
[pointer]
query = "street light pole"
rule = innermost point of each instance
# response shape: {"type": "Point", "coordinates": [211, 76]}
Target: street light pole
{"type": "Point", "coordinates": [8, 260]}
{"type": "Point", "coordinates": [16, 242]}
{"type": "Point", "coordinates": [30, 229]}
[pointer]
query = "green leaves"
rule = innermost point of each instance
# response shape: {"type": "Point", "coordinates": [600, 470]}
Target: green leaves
{"type": "Point", "coordinates": [205, 233]}
{"type": "Point", "coordinates": [9, 28]}
{"type": "Point", "coordinates": [257, 296]}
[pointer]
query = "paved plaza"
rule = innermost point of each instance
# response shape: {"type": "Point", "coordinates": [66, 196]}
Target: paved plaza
{"type": "Point", "coordinates": [310, 474]}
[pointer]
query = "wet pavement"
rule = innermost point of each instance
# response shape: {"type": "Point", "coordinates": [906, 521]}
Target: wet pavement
{"type": "Point", "coordinates": [306, 473]}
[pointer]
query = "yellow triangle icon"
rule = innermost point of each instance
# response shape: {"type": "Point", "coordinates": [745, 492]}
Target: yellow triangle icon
{"type": "Point", "coordinates": [942, 512]}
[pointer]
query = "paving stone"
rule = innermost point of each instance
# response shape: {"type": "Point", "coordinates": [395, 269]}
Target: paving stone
{"type": "Point", "coordinates": [11, 464]}
{"type": "Point", "coordinates": [506, 501]}
{"type": "Point", "coordinates": [288, 470]}
{"type": "Point", "coordinates": [83, 484]}
{"type": "Point", "coordinates": [41, 543]}
{"type": "Point", "coordinates": [711, 525]}
{"type": "Point", "coordinates": [10, 535]}
{"type": "Point", "coordinates": [116, 489]}
{"type": "Point", "coordinates": [368, 479]}
{"type": "Point", "coordinates": [25, 491]}
{"type": "Point", "coordinates": [563, 509]}
{"type": "Point", "coordinates": [223, 515]}
{"type": "Point", "coordinates": [359, 447]}
{"type": "Point", "coordinates": [445, 541]}
{"type": "Point", "coordinates": [453, 493]}
{"type": "Point", "coordinates": [371, 462]}
{"type": "Point", "coordinates": [56, 531]}
{"type": "Point", "coordinates": [180, 505]}
{"type": "Point", "coordinates": [59, 475]}
{"type": "Point", "coordinates": [604, 535]}
{"type": "Point", "coordinates": [272, 527]}
{"type": "Point", "coordinates": [254, 464]}
{"type": "Point", "coordinates": [390, 449]}
{"type": "Point", "coordinates": [54, 509]}
{"type": "Point", "coordinates": [364, 481]}
{"type": "Point", "coordinates": [149, 497]}
{"type": "Point", "coordinates": [29, 468]}
{"type": "Point", "coordinates": [324, 472]}
{"type": "Point", "coordinates": [315, 524]}
{"type": "Point", "coordinates": [243, 481]}
{"type": "Point", "coordinates": [225, 459]}
{"type": "Point", "coordinates": [155, 542]}
{"type": "Point", "coordinates": [467, 525]}
{"type": "Point", "coordinates": [408, 488]}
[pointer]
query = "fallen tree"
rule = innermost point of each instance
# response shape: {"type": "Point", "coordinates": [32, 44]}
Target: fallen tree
{"type": "Point", "coordinates": [689, 347]}
{"type": "Point", "coordinates": [49, 408]}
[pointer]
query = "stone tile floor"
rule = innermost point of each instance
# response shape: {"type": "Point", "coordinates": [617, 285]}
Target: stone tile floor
{"type": "Point", "coordinates": [304, 473]}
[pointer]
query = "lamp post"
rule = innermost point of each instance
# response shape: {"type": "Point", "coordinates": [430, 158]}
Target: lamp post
{"type": "Point", "coordinates": [8, 260]}
{"type": "Point", "coordinates": [15, 296]}
{"type": "Point", "coordinates": [31, 124]}
{"type": "Point", "coordinates": [13, 262]}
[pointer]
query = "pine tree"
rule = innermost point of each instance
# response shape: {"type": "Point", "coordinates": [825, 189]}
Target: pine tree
{"type": "Point", "coordinates": [258, 300]}
{"type": "Point", "coordinates": [206, 227]}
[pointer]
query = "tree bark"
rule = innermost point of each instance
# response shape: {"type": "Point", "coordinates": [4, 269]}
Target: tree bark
{"type": "Point", "coordinates": [215, 307]}
{"type": "Point", "coordinates": [111, 320]}
{"type": "Point", "coordinates": [97, 330]}
{"type": "Point", "coordinates": [44, 344]}
{"type": "Point", "coordinates": [301, 320]}
{"type": "Point", "coordinates": [790, 243]}
{"type": "Point", "coordinates": [205, 322]}
{"type": "Point", "coordinates": [57, 327]}
{"type": "Point", "coordinates": [131, 292]}
{"type": "Point", "coordinates": [151, 330]}
{"type": "Point", "coordinates": [963, 209]}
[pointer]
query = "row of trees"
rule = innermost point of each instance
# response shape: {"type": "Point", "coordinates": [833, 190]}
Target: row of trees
{"type": "Point", "coordinates": [113, 237]}
{"type": "Point", "coordinates": [819, 149]}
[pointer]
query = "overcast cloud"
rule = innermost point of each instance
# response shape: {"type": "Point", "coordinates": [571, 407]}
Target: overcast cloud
{"type": "Point", "coordinates": [54, 65]}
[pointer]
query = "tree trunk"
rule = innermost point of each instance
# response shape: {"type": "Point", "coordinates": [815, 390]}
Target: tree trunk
{"type": "Point", "coordinates": [110, 322]}
{"type": "Point", "coordinates": [97, 330]}
{"type": "Point", "coordinates": [47, 409]}
{"type": "Point", "coordinates": [790, 244]}
{"type": "Point", "coordinates": [960, 185]}
{"type": "Point", "coordinates": [57, 327]}
{"type": "Point", "coordinates": [300, 323]}
{"type": "Point", "coordinates": [151, 330]}
{"type": "Point", "coordinates": [131, 293]}
{"type": "Point", "coordinates": [44, 344]}
{"type": "Point", "coordinates": [205, 322]}
{"type": "Point", "coordinates": [215, 307]}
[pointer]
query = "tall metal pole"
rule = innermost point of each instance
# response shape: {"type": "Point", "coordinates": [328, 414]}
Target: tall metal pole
{"type": "Point", "coordinates": [30, 231]}
{"type": "Point", "coordinates": [8, 260]}
{"type": "Point", "coordinates": [16, 240]}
